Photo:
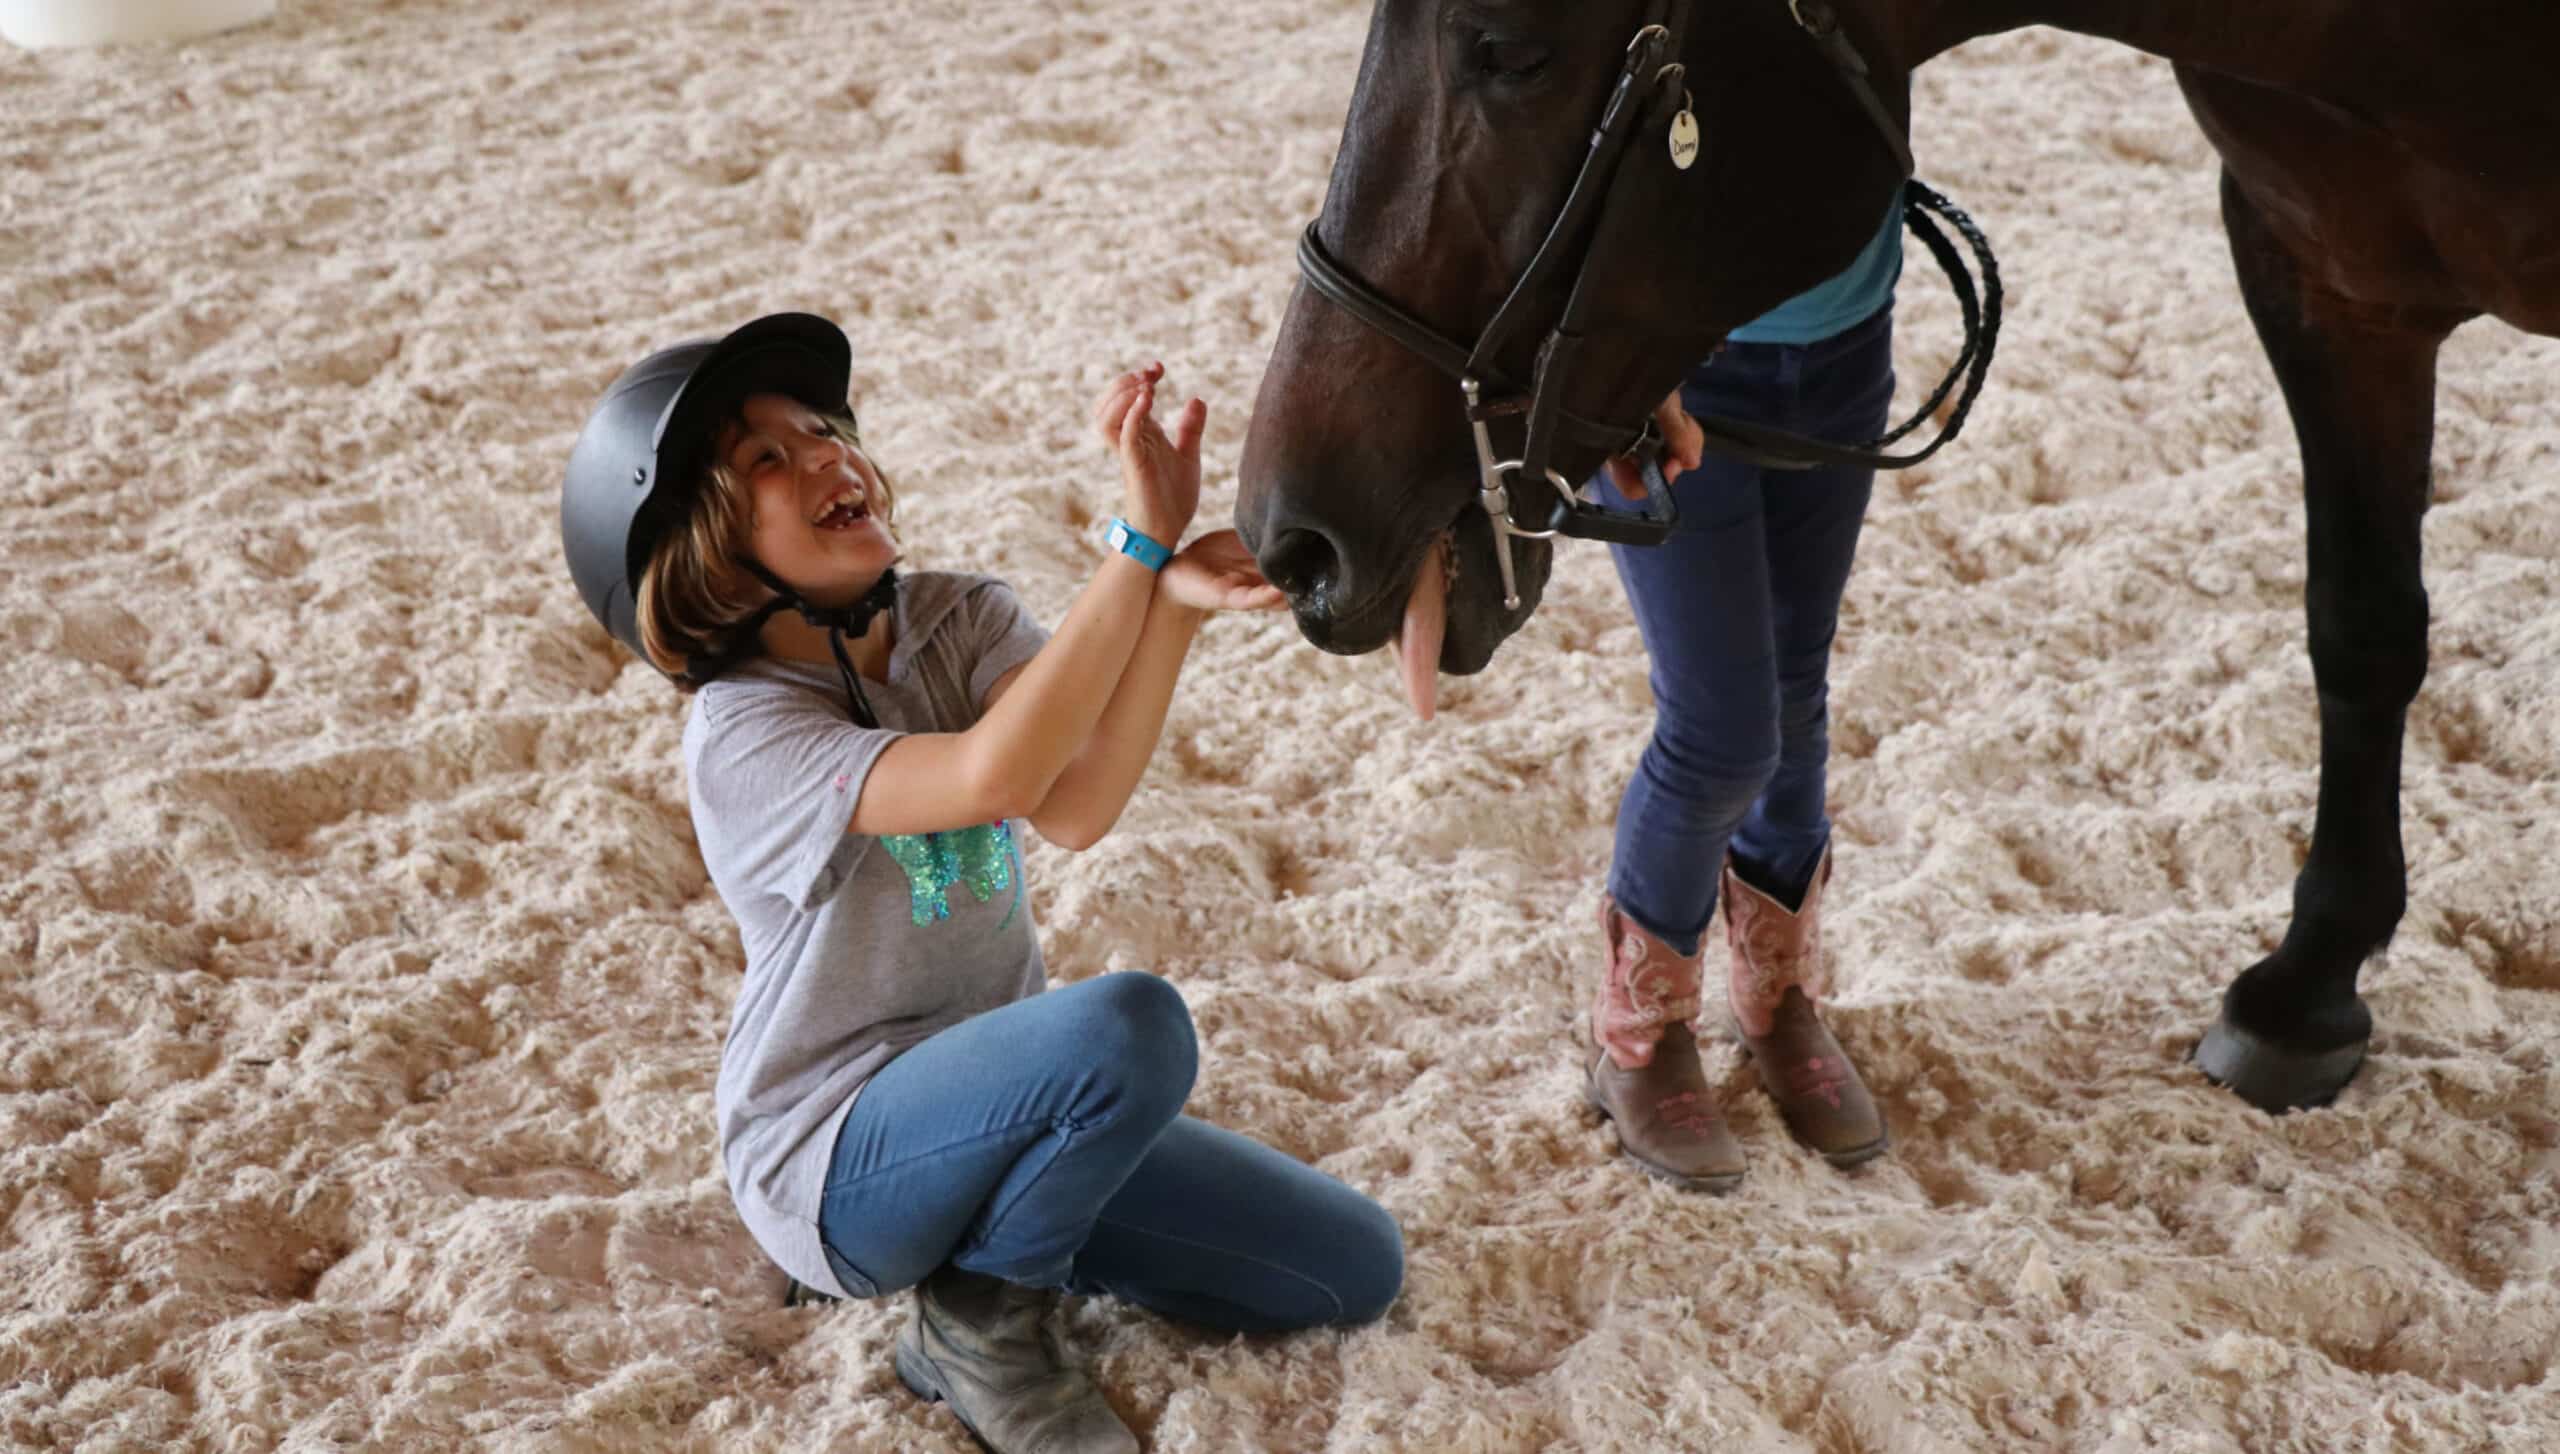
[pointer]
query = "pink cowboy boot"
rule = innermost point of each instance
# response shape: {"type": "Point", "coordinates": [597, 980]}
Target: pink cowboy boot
{"type": "Point", "coordinates": [1646, 1077]}
{"type": "Point", "coordinates": [1778, 979]}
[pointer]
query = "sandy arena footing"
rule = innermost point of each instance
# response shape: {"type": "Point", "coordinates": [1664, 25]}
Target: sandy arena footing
{"type": "Point", "coordinates": [361, 990]}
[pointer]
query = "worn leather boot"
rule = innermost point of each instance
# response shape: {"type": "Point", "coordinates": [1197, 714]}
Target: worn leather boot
{"type": "Point", "coordinates": [984, 1345]}
{"type": "Point", "coordinates": [1777, 984]}
{"type": "Point", "coordinates": [1645, 1076]}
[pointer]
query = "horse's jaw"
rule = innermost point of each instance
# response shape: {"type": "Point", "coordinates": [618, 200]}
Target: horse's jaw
{"type": "Point", "coordinates": [1479, 622]}
{"type": "Point", "coordinates": [1445, 617]}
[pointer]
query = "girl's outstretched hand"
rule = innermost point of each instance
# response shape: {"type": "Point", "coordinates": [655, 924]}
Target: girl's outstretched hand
{"type": "Point", "coordinates": [1159, 476]}
{"type": "Point", "coordinates": [1216, 573]}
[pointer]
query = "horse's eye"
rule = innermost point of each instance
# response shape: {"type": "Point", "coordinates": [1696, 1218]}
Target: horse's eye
{"type": "Point", "coordinates": [1509, 60]}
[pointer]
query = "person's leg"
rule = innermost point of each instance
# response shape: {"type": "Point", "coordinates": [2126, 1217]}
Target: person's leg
{"type": "Point", "coordinates": [1702, 602]}
{"type": "Point", "coordinates": [973, 1167]}
{"type": "Point", "coordinates": [1780, 854]}
{"type": "Point", "coordinates": [994, 1145]}
{"type": "Point", "coordinates": [1811, 521]}
{"type": "Point", "coordinates": [1219, 1230]}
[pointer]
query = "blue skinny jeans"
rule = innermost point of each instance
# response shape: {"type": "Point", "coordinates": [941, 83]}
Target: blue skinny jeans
{"type": "Point", "coordinates": [1043, 1143]}
{"type": "Point", "coordinates": [1738, 610]}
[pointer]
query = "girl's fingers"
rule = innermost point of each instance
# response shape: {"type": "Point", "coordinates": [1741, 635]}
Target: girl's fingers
{"type": "Point", "coordinates": [1132, 394]}
{"type": "Point", "coordinates": [1187, 428]}
{"type": "Point", "coordinates": [1116, 395]}
{"type": "Point", "coordinates": [1684, 443]}
{"type": "Point", "coordinates": [1107, 422]}
{"type": "Point", "coordinates": [1133, 424]}
{"type": "Point", "coordinates": [1115, 399]}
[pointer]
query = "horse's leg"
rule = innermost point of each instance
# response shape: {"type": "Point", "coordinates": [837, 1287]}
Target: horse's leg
{"type": "Point", "coordinates": [2361, 388]}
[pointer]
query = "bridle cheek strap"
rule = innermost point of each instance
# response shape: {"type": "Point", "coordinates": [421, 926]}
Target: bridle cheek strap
{"type": "Point", "coordinates": [1641, 78]}
{"type": "Point", "coordinates": [1592, 185]}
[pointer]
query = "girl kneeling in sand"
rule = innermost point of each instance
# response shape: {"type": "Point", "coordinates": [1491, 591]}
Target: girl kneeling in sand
{"type": "Point", "coordinates": [901, 1104]}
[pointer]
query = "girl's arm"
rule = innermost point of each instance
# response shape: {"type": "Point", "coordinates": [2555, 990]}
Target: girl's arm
{"type": "Point", "coordinates": [1007, 763]}
{"type": "Point", "coordinates": [1213, 572]}
{"type": "Point", "coordinates": [1004, 765]}
{"type": "Point", "coordinates": [1087, 798]}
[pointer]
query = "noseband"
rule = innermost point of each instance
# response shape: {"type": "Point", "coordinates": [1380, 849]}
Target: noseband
{"type": "Point", "coordinates": [1647, 85]}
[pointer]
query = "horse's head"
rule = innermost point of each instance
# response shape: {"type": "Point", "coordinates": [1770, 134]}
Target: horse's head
{"type": "Point", "coordinates": [1471, 123]}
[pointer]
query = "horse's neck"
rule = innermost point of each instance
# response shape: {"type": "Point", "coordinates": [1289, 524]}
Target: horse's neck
{"type": "Point", "coordinates": [2282, 43]}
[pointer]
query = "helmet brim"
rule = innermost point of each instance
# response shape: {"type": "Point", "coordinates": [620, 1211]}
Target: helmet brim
{"type": "Point", "coordinates": [799, 355]}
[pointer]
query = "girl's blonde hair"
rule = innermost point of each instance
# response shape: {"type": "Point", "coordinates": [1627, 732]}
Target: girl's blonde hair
{"type": "Point", "coordinates": [696, 592]}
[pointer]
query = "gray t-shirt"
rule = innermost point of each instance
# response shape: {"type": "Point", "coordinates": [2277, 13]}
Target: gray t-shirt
{"type": "Point", "coordinates": [857, 947]}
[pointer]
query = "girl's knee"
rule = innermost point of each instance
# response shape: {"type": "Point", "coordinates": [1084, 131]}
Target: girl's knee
{"type": "Point", "coordinates": [1143, 1009]}
{"type": "Point", "coordinates": [1137, 1024]}
{"type": "Point", "coordinates": [1371, 1263]}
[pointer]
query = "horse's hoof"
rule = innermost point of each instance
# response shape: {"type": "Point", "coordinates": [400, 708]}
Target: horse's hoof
{"type": "Point", "coordinates": [2270, 1077]}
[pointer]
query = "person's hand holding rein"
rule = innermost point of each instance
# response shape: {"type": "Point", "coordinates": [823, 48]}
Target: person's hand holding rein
{"type": "Point", "coordinates": [1159, 476]}
{"type": "Point", "coordinates": [1683, 446]}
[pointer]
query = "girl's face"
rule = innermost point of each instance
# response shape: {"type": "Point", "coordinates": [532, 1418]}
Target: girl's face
{"type": "Point", "coordinates": [813, 492]}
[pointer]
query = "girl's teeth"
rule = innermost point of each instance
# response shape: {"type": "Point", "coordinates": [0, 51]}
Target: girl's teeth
{"type": "Point", "coordinates": [841, 512]}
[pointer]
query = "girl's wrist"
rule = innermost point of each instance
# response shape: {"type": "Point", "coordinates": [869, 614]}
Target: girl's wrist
{"type": "Point", "coordinates": [1123, 539]}
{"type": "Point", "coordinates": [1167, 533]}
{"type": "Point", "coordinates": [1168, 600]}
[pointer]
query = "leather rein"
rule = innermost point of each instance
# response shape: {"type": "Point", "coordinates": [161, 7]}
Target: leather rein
{"type": "Point", "coordinates": [1648, 85]}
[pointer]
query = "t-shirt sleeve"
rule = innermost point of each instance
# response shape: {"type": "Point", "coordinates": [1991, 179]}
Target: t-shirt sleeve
{"type": "Point", "coordinates": [1005, 637]}
{"type": "Point", "coordinates": [775, 775]}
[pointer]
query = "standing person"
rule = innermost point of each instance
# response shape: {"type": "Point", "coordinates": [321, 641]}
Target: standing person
{"type": "Point", "coordinates": [901, 1102]}
{"type": "Point", "coordinates": [1738, 610]}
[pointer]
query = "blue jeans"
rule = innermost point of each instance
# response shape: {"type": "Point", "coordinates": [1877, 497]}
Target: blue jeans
{"type": "Point", "coordinates": [1043, 1143]}
{"type": "Point", "coordinates": [1738, 610]}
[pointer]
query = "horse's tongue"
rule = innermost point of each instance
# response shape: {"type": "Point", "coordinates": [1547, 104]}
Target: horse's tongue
{"type": "Point", "coordinates": [1426, 619]}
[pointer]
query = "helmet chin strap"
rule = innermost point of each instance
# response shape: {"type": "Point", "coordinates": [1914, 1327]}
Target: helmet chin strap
{"type": "Point", "coordinates": [837, 621]}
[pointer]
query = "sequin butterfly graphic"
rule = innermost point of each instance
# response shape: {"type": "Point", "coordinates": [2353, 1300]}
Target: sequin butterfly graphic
{"type": "Point", "coordinates": [980, 859]}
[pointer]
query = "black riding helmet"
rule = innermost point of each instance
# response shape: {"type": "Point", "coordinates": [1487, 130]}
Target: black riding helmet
{"type": "Point", "coordinates": [645, 449]}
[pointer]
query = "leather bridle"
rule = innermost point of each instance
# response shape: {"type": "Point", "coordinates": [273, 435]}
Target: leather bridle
{"type": "Point", "coordinates": [1646, 85]}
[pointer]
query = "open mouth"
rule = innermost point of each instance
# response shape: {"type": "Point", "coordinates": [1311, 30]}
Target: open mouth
{"type": "Point", "coordinates": [1440, 611]}
{"type": "Point", "coordinates": [1454, 616]}
{"type": "Point", "coordinates": [843, 512]}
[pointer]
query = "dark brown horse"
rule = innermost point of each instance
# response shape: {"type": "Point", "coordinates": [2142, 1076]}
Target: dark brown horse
{"type": "Point", "coordinates": [2390, 171]}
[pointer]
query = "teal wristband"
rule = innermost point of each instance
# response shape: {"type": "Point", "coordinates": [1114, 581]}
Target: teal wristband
{"type": "Point", "coordinates": [1136, 544]}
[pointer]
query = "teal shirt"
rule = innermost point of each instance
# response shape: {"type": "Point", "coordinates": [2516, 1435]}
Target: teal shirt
{"type": "Point", "coordinates": [1849, 298]}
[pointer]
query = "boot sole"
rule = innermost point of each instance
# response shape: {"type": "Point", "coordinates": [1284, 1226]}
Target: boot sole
{"type": "Point", "coordinates": [1855, 1156]}
{"type": "Point", "coordinates": [1715, 1185]}
{"type": "Point", "coordinates": [800, 1295]}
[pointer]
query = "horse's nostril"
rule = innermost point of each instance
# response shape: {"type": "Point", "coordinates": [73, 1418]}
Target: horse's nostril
{"type": "Point", "coordinates": [1301, 562]}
